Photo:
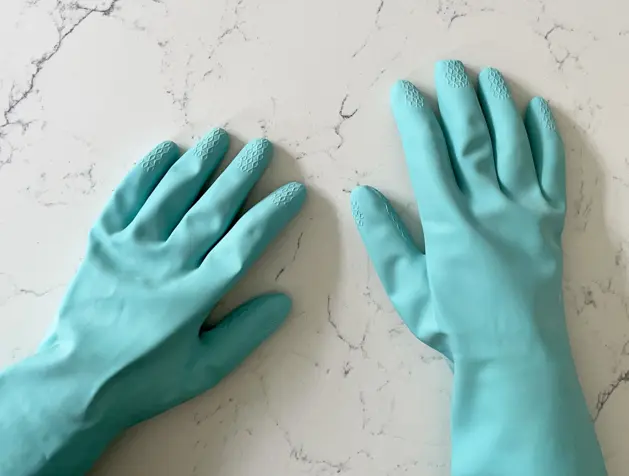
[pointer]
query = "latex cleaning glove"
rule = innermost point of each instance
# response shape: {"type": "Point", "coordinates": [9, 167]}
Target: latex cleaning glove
{"type": "Point", "coordinates": [128, 342]}
{"type": "Point", "coordinates": [487, 290]}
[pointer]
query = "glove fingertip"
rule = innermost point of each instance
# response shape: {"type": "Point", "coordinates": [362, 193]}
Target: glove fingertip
{"type": "Point", "coordinates": [404, 95]}
{"type": "Point", "coordinates": [276, 304]}
{"type": "Point", "coordinates": [363, 198]}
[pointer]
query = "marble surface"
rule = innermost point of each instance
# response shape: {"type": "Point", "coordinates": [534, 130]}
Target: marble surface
{"type": "Point", "coordinates": [86, 87]}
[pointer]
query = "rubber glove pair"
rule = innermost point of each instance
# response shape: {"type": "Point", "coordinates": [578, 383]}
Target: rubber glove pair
{"type": "Point", "coordinates": [129, 344]}
{"type": "Point", "coordinates": [487, 290]}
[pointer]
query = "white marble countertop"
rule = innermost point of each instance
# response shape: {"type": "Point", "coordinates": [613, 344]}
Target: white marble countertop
{"type": "Point", "coordinates": [86, 87]}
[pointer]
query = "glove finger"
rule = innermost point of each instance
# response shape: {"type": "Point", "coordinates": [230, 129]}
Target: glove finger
{"type": "Point", "coordinates": [209, 218]}
{"type": "Point", "coordinates": [426, 154]}
{"type": "Point", "coordinates": [512, 152]}
{"type": "Point", "coordinates": [244, 243]}
{"type": "Point", "coordinates": [400, 265]}
{"type": "Point", "coordinates": [226, 345]}
{"type": "Point", "coordinates": [137, 186]}
{"type": "Point", "coordinates": [465, 130]}
{"type": "Point", "coordinates": [180, 187]}
{"type": "Point", "coordinates": [548, 151]}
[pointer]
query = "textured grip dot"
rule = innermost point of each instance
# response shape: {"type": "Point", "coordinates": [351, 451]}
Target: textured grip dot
{"type": "Point", "coordinates": [548, 121]}
{"type": "Point", "coordinates": [206, 146]}
{"type": "Point", "coordinates": [253, 154]}
{"type": "Point", "coordinates": [497, 84]}
{"type": "Point", "coordinates": [455, 74]}
{"type": "Point", "coordinates": [394, 217]}
{"type": "Point", "coordinates": [412, 95]}
{"type": "Point", "coordinates": [285, 194]}
{"type": "Point", "coordinates": [359, 218]}
{"type": "Point", "coordinates": [154, 157]}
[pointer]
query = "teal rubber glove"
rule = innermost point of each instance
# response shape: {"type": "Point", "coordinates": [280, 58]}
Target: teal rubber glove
{"type": "Point", "coordinates": [128, 342]}
{"type": "Point", "coordinates": [487, 291]}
